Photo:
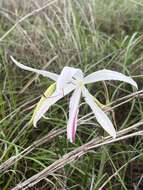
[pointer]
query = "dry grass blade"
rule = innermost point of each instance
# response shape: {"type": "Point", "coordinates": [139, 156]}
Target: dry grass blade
{"type": "Point", "coordinates": [11, 161]}
{"type": "Point", "coordinates": [25, 17]}
{"type": "Point", "coordinates": [8, 163]}
{"type": "Point", "coordinates": [71, 156]}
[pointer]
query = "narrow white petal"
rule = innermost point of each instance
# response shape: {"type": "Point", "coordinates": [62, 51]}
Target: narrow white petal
{"type": "Point", "coordinates": [73, 114]}
{"type": "Point", "coordinates": [48, 74]}
{"type": "Point", "coordinates": [57, 95]}
{"type": "Point", "coordinates": [104, 74]}
{"type": "Point", "coordinates": [66, 76]}
{"type": "Point", "coordinates": [101, 117]}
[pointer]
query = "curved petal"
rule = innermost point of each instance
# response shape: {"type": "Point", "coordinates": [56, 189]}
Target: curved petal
{"type": "Point", "coordinates": [57, 95]}
{"type": "Point", "coordinates": [46, 94]}
{"type": "Point", "coordinates": [105, 74]}
{"type": "Point", "coordinates": [66, 76]}
{"type": "Point", "coordinates": [73, 114]}
{"type": "Point", "coordinates": [48, 74]}
{"type": "Point", "coordinates": [99, 114]}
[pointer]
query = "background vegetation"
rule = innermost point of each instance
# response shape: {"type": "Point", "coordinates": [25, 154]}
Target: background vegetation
{"type": "Point", "coordinates": [91, 35]}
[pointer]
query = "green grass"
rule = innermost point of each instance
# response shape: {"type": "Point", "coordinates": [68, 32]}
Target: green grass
{"type": "Point", "coordinates": [91, 35]}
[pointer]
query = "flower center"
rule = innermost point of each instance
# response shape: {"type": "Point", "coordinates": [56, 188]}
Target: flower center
{"type": "Point", "coordinates": [80, 83]}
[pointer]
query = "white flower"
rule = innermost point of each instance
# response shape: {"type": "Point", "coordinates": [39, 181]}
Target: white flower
{"type": "Point", "coordinates": [72, 79]}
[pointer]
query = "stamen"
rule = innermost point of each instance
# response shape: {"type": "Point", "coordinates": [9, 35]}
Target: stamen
{"type": "Point", "coordinates": [74, 78]}
{"type": "Point", "coordinates": [71, 83]}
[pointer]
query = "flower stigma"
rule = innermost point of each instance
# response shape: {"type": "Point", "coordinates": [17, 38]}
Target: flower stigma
{"type": "Point", "coordinates": [80, 83]}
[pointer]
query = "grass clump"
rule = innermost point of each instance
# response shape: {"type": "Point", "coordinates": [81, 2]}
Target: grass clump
{"type": "Point", "coordinates": [90, 35]}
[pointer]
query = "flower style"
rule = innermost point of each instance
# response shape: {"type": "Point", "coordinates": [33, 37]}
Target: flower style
{"type": "Point", "coordinates": [72, 79]}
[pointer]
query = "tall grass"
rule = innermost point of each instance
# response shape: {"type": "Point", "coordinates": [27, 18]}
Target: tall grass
{"type": "Point", "coordinates": [90, 35]}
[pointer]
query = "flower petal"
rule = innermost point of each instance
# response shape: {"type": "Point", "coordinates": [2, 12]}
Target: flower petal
{"type": "Point", "coordinates": [99, 114]}
{"type": "Point", "coordinates": [57, 95]}
{"type": "Point", "coordinates": [47, 94]}
{"type": "Point", "coordinates": [48, 74]}
{"type": "Point", "coordinates": [73, 114]}
{"type": "Point", "coordinates": [66, 76]}
{"type": "Point", "coordinates": [104, 74]}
